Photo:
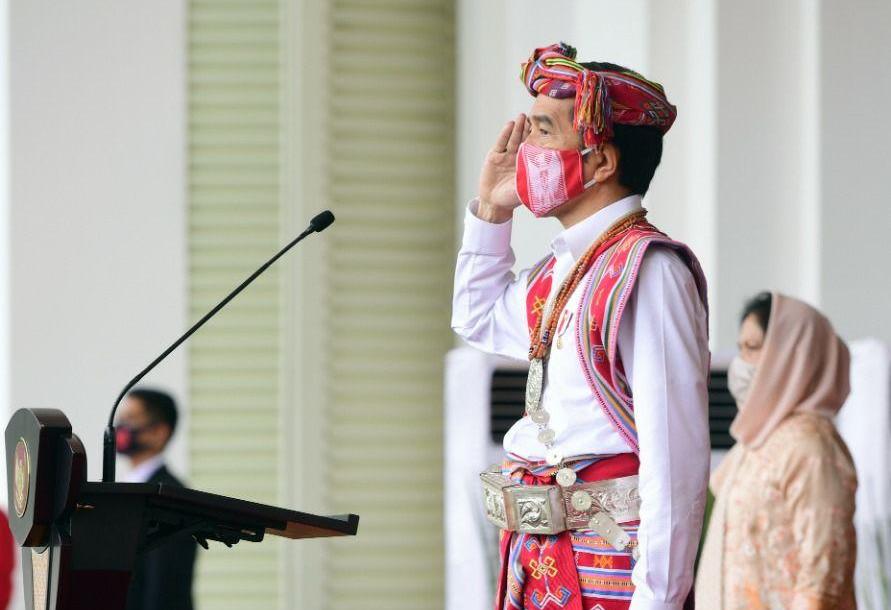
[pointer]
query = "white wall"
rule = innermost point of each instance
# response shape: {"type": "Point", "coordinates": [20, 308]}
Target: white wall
{"type": "Point", "coordinates": [766, 207]}
{"type": "Point", "coordinates": [4, 222]}
{"type": "Point", "coordinates": [854, 166]}
{"type": "Point", "coordinates": [97, 208]}
{"type": "Point", "coordinates": [682, 199]}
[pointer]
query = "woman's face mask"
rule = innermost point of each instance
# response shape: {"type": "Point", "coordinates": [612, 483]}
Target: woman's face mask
{"type": "Point", "coordinates": [739, 379]}
{"type": "Point", "coordinates": [547, 177]}
{"type": "Point", "coordinates": [742, 368]}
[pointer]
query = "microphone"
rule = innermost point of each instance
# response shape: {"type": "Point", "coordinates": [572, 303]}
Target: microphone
{"type": "Point", "coordinates": [109, 448]}
{"type": "Point", "coordinates": [321, 221]}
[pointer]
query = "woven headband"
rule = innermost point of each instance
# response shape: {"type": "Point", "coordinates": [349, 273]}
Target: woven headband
{"type": "Point", "coordinates": [602, 97]}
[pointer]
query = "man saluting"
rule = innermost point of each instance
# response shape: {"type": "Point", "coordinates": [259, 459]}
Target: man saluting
{"type": "Point", "coordinates": [601, 494]}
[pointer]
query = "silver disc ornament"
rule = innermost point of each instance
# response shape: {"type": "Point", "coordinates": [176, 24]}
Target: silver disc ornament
{"type": "Point", "coordinates": [566, 477]}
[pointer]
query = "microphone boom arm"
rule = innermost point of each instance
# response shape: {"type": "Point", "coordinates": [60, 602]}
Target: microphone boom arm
{"type": "Point", "coordinates": [109, 445]}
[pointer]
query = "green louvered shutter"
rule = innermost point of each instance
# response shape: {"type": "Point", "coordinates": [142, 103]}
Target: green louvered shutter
{"type": "Point", "coordinates": [234, 58]}
{"type": "Point", "coordinates": [390, 182]}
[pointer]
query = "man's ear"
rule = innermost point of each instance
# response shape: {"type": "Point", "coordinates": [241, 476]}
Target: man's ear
{"type": "Point", "coordinates": [603, 163]}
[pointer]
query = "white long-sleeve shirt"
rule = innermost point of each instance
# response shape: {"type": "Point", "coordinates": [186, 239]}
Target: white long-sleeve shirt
{"type": "Point", "coordinates": [663, 343]}
{"type": "Point", "coordinates": [143, 472]}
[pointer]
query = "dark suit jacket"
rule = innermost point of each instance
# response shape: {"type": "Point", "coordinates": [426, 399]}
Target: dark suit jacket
{"type": "Point", "coordinates": [162, 577]}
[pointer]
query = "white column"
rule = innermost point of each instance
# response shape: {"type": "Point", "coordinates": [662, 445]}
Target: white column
{"type": "Point", "coordinates": [97, 215]}
{"type": "Point", "coordinates": [766, 208]}
{"type": "Point", "coordinates": [683, 196]}
{"type": "Point", "coordinates": [304, 115]}
{"type": "Point", "coordinates": [855, 134]}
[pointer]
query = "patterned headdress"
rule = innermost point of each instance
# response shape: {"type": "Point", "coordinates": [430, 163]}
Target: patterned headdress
{"type": "Point", "coordinates": [602, 98]}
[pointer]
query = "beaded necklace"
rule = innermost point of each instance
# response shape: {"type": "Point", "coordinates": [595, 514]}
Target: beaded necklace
{"type": "Point", "coordinates": [542, 335]}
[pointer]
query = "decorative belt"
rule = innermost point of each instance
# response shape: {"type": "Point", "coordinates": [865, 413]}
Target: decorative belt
{"type": "Point", "coordinates": [550, 509]}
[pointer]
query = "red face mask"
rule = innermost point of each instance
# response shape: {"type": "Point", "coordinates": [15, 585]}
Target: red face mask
{"type": "Point", "coordinates": [547, 178]}
{"type": "Point", "coordinates": [127, 439]}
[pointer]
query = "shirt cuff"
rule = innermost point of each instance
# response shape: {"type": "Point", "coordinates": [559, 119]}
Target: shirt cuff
{"type": "Point", "coordinates": [639, 603]}
{"type": "Point", "coordinates": [483, 237]}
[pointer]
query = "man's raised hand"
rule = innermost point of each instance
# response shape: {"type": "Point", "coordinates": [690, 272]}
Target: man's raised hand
{"type": "Point", "coordinates": [497, 190]}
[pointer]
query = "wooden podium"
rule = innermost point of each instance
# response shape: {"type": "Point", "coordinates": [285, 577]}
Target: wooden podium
{"type": "Point", "coordinates": [80, 539]}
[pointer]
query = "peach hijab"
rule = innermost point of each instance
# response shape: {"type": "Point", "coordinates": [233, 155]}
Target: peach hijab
{"type": "Point", "coordinates": [804, 367]}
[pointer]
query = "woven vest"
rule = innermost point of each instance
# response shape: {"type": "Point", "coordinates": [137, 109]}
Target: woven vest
{"type": "Point", "coordinates": [605, 293]}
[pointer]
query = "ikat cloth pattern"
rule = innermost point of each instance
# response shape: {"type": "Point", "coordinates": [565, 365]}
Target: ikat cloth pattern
{"type": "Point", "coordinates": [575, 570]}
{"type": "Point", "coordinates": [607, 288]}
{"type": "Point", "coordinates": [602, 97]}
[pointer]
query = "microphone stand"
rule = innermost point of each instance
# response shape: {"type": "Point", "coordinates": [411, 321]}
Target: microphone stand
{"type": "Point", "coordinates": [109, 446]}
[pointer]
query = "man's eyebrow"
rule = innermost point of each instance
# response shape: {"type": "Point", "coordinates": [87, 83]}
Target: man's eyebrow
{"type": "Point", "coordinates": [543, 119]}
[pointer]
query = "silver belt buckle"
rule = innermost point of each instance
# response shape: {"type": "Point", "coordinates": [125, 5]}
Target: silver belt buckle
{"type": "Point", "coordinates": [494, 486]}
{"type": "Point", "coordinates": [618, 498]}
{"type": "Point", "coordinates": [515, 507]}
{"type": "Point", "coordinates": [537, 510]}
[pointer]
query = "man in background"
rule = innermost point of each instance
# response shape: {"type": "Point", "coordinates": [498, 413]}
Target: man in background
{"type": "Point", "coordinates": [162, 577]}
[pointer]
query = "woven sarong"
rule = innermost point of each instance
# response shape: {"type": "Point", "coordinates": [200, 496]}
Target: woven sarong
{"type": "Point", "coordinates": [575, 570]}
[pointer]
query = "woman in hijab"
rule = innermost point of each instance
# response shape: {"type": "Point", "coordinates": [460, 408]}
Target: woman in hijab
{"type": "Point", "coordinates": [781, 534]}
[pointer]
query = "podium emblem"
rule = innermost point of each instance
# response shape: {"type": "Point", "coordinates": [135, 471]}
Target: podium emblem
{"type": "Point", "coordinates": [22, 478]}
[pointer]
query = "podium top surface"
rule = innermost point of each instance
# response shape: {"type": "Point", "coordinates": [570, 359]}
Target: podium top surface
{"type": "Point", "coordinates": [274, 520]}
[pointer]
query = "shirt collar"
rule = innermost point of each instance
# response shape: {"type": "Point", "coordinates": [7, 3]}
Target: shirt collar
{"type": "Point", "coordinates": [143, 472]}
{"type": "Point", "coordinates": [578, 238]}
